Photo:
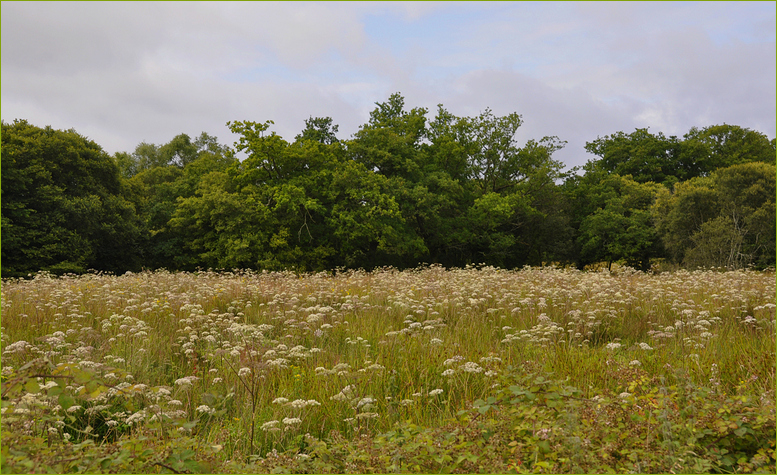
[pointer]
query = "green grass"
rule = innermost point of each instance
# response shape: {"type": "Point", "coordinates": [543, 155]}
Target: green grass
{"type": "Point", "coordinates": [426, 370]}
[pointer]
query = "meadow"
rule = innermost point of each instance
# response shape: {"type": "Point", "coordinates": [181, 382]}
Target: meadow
{"type": "Point", "coordinates": [429, 370]}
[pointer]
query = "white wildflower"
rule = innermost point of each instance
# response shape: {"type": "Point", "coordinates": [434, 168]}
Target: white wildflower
{"type": "Point", "coordinates": [137, 417]}
{"type": "Point", "coordinates": [269, 425]}
{"type": "Point", "coordinates": [367, 415]}
{"type": "Point", "coordinates": [340, 397]}
{"type": "Point", "coordinates": [279, 363]}
{"type": "Point", "coordinates": [341, 367]}
{"type": "Point", "coordinates": [186, 381]}
{"type": "Point", "coordinates": [365, 401]}
{"type": "Point", "coordinates": [471, 367]}
{"type": "Point", "coordinates": [453, 360]}
{"type": "Point", "coordinates": [490, 359]}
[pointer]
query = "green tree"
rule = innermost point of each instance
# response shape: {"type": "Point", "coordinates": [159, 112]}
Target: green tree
{"type": "Point", "coordinates": [725, 220]}
{"type": "Point", "coordinates": [300, 205]}
{"type": "Point", "coordinates": [223, 227]}
{"type": "Point", "coordinates": [145, 157]}
{"type": "Point", "coordinates": [391, 140]}
{"type": "Point", "coordinates": [613, 219]}
{"type": "Point", "coordinates": [721, 146]}
{"type": "Point", "coordinates": [525, 178]}
{"type": "Point", "coordinates": [64, 205]}
{"type": "Point", "coordinates": [668, 160]}
{"type": "Point", "coordinates": [645, 156]}
{"type": "Point", "coordinates": [178, 152]}
{"type": "Point", "coordinates": [319, 129]}
{"type": "Point", "coordinates": [464, 186]}
{"type": "Point", "coordinates": [157, 190]}
{"type": "Point", "coordinates": [496, 163]}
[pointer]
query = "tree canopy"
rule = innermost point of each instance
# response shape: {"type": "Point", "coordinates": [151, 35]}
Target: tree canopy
{"type": "Point", "coordinates": [64, 205]}
{"type": "Point", "coordinates": [404, 189]}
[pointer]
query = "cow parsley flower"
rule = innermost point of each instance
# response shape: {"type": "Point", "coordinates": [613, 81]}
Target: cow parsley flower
{"type": "Point", "coordinates": [471, 367]}
{"type": "Point", "coordinates": [269, 425]}
{"type": "Point", "coordinates": [186, 381]}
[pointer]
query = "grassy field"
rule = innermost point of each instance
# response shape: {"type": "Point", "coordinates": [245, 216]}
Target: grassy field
{"type": "Point", "coordinates": [426, 370]}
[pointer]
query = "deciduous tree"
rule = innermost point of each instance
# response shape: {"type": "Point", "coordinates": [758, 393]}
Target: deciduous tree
{"type": "Point", "coordinates": [64, 207]}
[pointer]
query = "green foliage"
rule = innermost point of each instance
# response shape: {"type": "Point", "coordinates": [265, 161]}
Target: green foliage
{"type": "Point", "coordinates": [537, 424]}
{"type": "Point", "coordinates": [725, 220]}
{"type": "Point", "coordinates": [615, 221]}
{"type": "Point", "coordinates": [721, 146]}
{"type": "Point", "coordinates": [668, 160]}
{"type": "Point", "coordinates": [403, 189]}
{"type": "Point", "coordinates": [319, 129]}
{"type": "Point", "coordinates": [158, 187]}
{"type": "Point", "coordinates": [64, 206]}
{"type": "Point", "coordinates": [646, 157]}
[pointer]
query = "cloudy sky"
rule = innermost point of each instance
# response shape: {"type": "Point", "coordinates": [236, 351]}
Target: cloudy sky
{"type": "Point", "coordinates": [123, 73]}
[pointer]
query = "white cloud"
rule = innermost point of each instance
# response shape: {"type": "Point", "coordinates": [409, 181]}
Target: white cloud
{"type": "Point", "coordinates": [126, 72]}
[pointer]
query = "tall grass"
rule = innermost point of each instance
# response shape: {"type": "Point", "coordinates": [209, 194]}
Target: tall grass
{"type": "Point", "coordinates": [259, 364]}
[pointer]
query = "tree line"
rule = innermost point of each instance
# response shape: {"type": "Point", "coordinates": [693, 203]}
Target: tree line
{"type": "Point", "coordinates": [405, 189]}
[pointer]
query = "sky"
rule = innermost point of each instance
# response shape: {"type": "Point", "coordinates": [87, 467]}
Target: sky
{"type": "Point", "coordinates": [122, 73]}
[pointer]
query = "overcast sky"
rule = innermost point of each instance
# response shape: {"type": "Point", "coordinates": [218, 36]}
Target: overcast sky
{"type": "Point", "coordinates": [127, 72]}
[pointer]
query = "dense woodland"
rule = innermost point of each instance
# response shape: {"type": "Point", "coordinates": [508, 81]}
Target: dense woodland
{"type": "Point", "coordinates": [403, 190]}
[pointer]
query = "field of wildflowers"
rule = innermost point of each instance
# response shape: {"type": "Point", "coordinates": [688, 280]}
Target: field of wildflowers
{"type": "Point", "coordinates": [426, 370]}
